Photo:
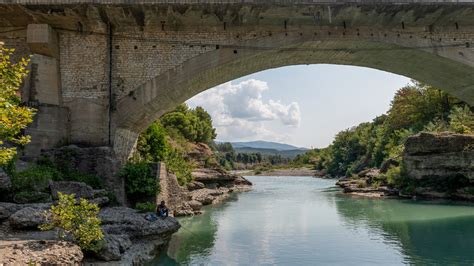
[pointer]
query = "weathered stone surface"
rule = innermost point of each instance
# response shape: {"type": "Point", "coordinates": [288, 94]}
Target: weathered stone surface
{"type": "Point", "coordinates": [430, 155]}
{"type": "Point", "coordinates": [195, 205]}
{"type": "Point", "coordinates": [5, 180]}
{"type": "Point", "coordinates": [27, 218]}
{"type": "Point", "coordinates": [369, 173]}
{"type": "Point", "coordinates": [387, 164]}
{"type": "Point", "coordinates": [32, 197]}
{"type": "Point", "coordinates": [436, 143]}
{"type": "Point", "coordinates": [121, 220]}
{"type": "Point", "coordinates": [41, 252]}
{"type": "Point", "coordinates": [80, 189]}
{"type": "Point", "coordinates": [7, 209]}
{"type": "Point", "coordinates": [114, 247]}
{"type": "Point", "coordinates": [99, 161]}
{"type": "Point", "coordinates": [242, 181]}
{"type": "Point", "coordinates": [101, 201]}
{"type": "Point", "coordinates": [195, 185]}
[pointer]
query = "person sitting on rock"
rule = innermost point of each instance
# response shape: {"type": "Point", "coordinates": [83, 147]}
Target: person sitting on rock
{"type": "Point", "coordinates": [162, 210]}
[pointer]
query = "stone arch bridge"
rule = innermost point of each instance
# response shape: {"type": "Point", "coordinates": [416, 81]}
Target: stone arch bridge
{"type": "Point", "coordinates": [102, 71]}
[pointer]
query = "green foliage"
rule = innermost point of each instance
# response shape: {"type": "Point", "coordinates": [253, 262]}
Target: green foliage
{"type": "Point", "coordinates": [139, 180]}
{"type": "Point", "coordinates": [461, 120]}
{"type": "Point", "coordinates": [179, 166]}
{"type": "Point", "coordinates": [145, 206]}
{"type": "Point", "coordinates": [194, 124]}
{"type": "Point", "coordinates": [24, 197]}
{"type": "Point", "coordinates": [35, 178]}
{"type": "Point", "coordinates": [13, 116]}
{"type": "Point", "coordinates": [78, 220]}
{"type": "Point", "coordinates": [152, 144]}
{"type": "Point", "coordinates": [414, 108]}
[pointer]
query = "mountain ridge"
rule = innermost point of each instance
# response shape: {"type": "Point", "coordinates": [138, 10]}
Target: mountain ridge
{"type": "Point", "coordinates": [261, 144]}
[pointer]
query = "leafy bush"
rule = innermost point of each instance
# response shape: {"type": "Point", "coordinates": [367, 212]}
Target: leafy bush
{"type": "Point", "coordinates": [152, 145]}
{"type": "Point", "coordinates": [35, 178]}
{"type": "Point", "coordinates": [146, 206]}
{"type": "Point", "coordinates": [179, 166]}
{"type": "Point", "coordinates": [394, 177]}
{"type": "Point", "coordinates": [139, 180]}
{"type": "Point", "coordinates": [76, 220]}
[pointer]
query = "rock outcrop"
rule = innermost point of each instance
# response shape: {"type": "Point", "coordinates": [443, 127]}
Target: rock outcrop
{"type": "Point", "coordinates": [99, 161]}
{"type": "Point", "coordinates": [5, 181]}
{"type": "Point", "coordinates": [39, 252]}
{"type": "Point", "coordinates": [27, 218]}
{"type": "Point", "coordinates": [429, 155]}
{"type": "Point", "coordinates": [123, 228]}
{"type": "Point", "coordinates": [209, 186]}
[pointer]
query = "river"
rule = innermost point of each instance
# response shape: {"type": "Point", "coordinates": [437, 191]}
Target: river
{"type": "Point", "coordinates": [307, 221]}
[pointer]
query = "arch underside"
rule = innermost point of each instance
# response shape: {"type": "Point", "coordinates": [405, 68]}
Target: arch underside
{"type": "Point", "coordinates": [200, 73]}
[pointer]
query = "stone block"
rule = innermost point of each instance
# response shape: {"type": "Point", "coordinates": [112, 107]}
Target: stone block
{"type": "Point", "coordinates": [44, 80]}
{"type": "Point", "coordinates": [42, 39]}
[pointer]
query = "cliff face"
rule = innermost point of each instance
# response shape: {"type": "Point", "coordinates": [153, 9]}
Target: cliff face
{"type": "Point", "coordinates": [441, 164]}
{"type": "Point", "coordinates": [210, 184]}
{"type": "Point", "coordinates": [442, 155]}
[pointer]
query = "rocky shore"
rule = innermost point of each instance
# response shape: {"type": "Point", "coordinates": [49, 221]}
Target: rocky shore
{"type": "Point", "coordinates": [210, 186]}
{"type": "Point", "coordinates": [125, 229]}
{"type": "Point", "coordinates": [436, 166]}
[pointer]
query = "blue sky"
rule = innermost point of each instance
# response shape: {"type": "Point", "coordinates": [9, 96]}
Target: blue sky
{"type": "Point", "coordinates": [304, 105]}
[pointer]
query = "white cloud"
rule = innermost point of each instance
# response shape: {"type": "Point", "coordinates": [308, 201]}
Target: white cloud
{"type": "Point", "coordinates": [240, 113]}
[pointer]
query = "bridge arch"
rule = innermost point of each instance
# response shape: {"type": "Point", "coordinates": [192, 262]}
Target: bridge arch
{"type": "Point", "coordinates": [445, 65]}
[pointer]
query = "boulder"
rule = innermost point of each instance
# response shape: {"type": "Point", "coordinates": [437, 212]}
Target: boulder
{"type": "Point", "coordinates": [7, 209]}
{"type": "Point", "coordinates": [32, 197]}
{"type": "Point", "coordinates": [99, 161]}
{"type": "Point", "coordinates": [195, 205]}
{"type": "Point", "coordinates": [122, 220]}
{"type": "Point", "coordinates": [369, 173]}
{"type": "Point", "coordinates": [241, 181]}
{"type": "Point", "coordinates": [102, 201]}
{"type": "Point", "coordinates": [80, 189]}
{"type": "Point", "coordinates": [27, 218]}
{"type": "Point", "coordinates": [387, 164]}
{"type": "Point", "coordinates": [113, 247]}
{"type": "Point", "coordinates": [5, 180]}
{"type": "Point", "coordinates": [195, 185]}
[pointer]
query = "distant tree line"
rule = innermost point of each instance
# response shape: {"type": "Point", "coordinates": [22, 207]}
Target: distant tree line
{"type": "Point", "coordinates": [230, 159]}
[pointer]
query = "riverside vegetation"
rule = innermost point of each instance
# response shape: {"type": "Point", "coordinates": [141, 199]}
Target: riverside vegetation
{"type": "Point", "coordinates": [372, 154]}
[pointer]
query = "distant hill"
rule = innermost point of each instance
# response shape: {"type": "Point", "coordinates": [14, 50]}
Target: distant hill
{"type": "Point", "coordinates": [260, 144]}
{"type": "Point", "coordinates": [287, 153]}
{"type": "Point", "coordinates": [268, 148]}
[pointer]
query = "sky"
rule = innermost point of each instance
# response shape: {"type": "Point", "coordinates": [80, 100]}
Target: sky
{"type": "Point", "coordinates": [304, 105]}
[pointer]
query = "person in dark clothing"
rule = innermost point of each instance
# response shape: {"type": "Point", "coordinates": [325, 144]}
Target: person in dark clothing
{"type": "Point", "coordinates": [162, 210]}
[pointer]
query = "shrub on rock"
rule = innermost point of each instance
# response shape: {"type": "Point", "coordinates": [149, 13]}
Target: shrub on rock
{"type": "Point", "coordinates": [77, 220]}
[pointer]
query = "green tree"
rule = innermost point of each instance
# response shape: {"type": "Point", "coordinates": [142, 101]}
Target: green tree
{"type": "Point", "coordinates": [78, 220]}
{"type": "Point", "coordinates": [461, 120]}
{"type": "Point", "coordinates": [152, 144]}
{"type": "Point", "coordinates": [14, 117]}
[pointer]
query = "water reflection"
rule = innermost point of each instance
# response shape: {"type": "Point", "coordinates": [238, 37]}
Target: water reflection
{"type": "Point", "coordinates": [427, 232]}
{"type": "Point", "coordinates": [306, 221]}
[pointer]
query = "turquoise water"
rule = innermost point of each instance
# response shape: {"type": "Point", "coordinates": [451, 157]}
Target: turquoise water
{"type": "Point", "coordinates": [307, 221]}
